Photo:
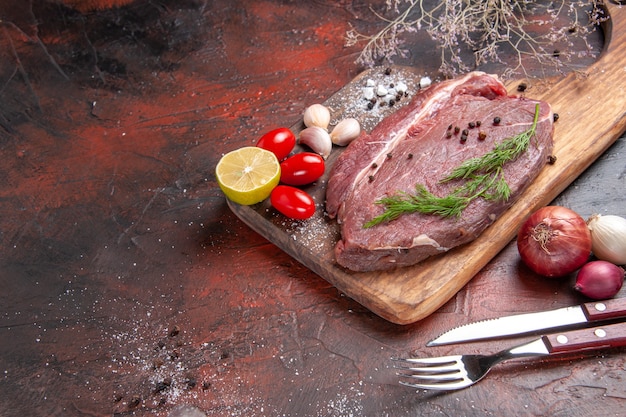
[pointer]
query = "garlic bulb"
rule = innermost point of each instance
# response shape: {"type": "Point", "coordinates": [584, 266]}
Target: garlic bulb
{"type": "Point", "coordinates": [317, 139]}
{"type": "Point", "coordinates": [608, 238]}
{"type": "Point", "coordinates": [317, 115]}
{"type": "Point", "coordinates": [345, 132]}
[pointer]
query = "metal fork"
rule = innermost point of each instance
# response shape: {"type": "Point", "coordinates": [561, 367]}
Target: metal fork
{"type": "Point", "coordinates": [461, 371]}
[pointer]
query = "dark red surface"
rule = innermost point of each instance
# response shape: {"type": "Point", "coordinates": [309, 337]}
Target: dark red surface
{"type": "Point", "coordinates": [128, 287]}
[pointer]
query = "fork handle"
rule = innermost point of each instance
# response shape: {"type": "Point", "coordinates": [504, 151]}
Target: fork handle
{"type": "Point", "coordinates": [612, 335]}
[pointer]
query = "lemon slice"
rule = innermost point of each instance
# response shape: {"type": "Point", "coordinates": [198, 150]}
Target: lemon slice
{"type": "Point", "coordinates": [248, 175]}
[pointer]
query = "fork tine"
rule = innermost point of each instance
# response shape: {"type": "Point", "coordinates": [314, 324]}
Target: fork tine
{"type": "Point", "coordinates": [451, 375]}
{"type": "Point", "coordinates": [448, 386]}
{"type": "Point", "coordinates": [433, 361]}
{"type": "Point", "coordinates": [430, 365]}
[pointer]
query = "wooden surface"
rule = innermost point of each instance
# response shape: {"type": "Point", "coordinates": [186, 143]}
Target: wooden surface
{"type": "Point", "coordinates": [584, 131]}
{"type": "Point", "coordinates": [129, 288]}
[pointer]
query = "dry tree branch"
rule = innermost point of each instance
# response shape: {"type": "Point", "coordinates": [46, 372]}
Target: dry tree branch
{"type": "Point", "coordinates": [486, 28]}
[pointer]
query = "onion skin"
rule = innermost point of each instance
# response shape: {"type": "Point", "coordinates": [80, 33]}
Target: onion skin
{"type": "Point", "coordinates": [554, 241]}
{"type": "Point", "coordinates": [608, 238]}
{"type": "Point", "coordinates": [599, 280]}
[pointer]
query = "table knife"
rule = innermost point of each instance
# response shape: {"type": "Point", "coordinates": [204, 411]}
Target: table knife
{"type": "Point", "coordinates": [521, 324]}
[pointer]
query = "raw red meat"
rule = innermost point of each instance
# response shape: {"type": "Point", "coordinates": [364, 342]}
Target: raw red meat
{"type": "Point", "coordinates": [414, 146]}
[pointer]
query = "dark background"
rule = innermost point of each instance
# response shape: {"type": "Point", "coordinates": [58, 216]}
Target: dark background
{"type": "Point", "coordinates": [127, 285]}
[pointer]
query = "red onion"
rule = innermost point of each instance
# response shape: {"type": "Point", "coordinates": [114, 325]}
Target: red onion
{"type": "Point", "coordinates": [554, 241]}
{"type": "Point", "coordinates": [599, 280]}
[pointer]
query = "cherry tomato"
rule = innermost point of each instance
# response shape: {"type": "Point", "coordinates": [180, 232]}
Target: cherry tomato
{"type": "Point", "coordinates": [292, 202]}
{"type": "Point", "coordinates": [301, 168]}
{"type": "Point", "coordinates": [279, 141]}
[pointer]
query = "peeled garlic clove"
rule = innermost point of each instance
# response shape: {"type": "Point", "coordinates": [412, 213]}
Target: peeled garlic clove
{"type": "Point", "coordinates": [317, 115]}
{"type": "Point", "coordinates": [345, 132]}
{"type": "Point", "coordinates": [317, 139]}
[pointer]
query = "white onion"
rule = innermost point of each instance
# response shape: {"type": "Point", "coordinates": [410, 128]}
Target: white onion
{"type": "Point", "coordinates": [608, 238]}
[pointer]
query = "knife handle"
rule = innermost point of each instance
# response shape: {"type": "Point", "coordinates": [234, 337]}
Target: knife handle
{"type": "Point", "coordinates": [612, 335]}
{"type": "Point", "coordinates": [604, 310]}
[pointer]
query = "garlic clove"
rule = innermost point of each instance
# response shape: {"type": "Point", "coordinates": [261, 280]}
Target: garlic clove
{"type": "Point", "coordinates": [317, 139]}
{"type": "Point", "coordinates": [345, 132]}
{"type": "Point", "coordinates": [317, 115]}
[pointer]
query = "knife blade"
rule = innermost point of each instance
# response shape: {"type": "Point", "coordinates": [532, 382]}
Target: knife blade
{"type": "Point", "coordinates": [520, 324]}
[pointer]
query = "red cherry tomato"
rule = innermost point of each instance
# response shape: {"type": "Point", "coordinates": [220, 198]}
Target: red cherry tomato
{"type": "Point", "coordinates": [292, 202]}
{"type": "Point", "coordinates": [301, 168]}
{"type": "Point", "coordinates": [279, 141]}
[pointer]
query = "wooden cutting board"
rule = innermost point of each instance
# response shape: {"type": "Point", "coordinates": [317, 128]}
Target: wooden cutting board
{"type": "Point", "coordinates": [591, 106]}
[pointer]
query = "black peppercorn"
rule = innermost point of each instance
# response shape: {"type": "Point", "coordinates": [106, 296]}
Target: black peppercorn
{"type": "Point", "coordinates": [174, 332]}
{"type": "Point", "coordinates": [374, 165]}
{"type": "Point", "coordinates": [551, 159]}
{"type": "Point", "coordinates": [387, 71]}
{"type": "Point", "coordinates": [457, 129]}
{"type": "Point", "coordinates": [522, 87]}
{"type": "Point", "coordinates": [471, 125]}
{"type": "Point", "coordinates": [410, 156]}
{"type": "Point", "coordinates": [478, 123]}
{"type": "Point", "coordinates": [134, 401]}
{"type": "Point", "coordinates": [555, 117]}
{"type": "Point", "coordinates": [388, 156]}
{"type": "Point", "coordinates": [496, 120]}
